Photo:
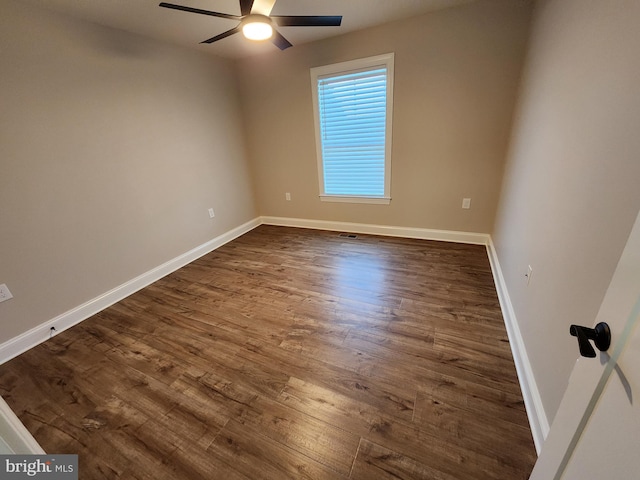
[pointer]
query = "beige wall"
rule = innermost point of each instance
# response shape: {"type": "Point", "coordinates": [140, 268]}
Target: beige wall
{"type": "Point", "coordinates": [456, 76]}
{"type": "Point", "coordinates": [112, 149]}
{"type": "Point", "coordinates": [570, 193]}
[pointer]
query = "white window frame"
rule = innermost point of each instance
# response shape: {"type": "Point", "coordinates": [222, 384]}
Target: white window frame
{"type": "Point", "coordinates": [386, 60]}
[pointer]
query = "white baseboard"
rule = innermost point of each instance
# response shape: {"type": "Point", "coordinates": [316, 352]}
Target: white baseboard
{"type": "Point", "coordinates": [406, 232]}
{"type": "Point", "coordinates": [532, 401]}
{"type": "Point", "coordinates": [29, 339]}
{"type": "Point", "coordinates": [14, 436]}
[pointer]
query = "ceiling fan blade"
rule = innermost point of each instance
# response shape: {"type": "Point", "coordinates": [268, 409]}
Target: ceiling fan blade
{"type": "Point", "coordinates": [307, 20]}
{"type": "Point", "coordinates": [279, 41]}
{"type": "Point", "coordinates": [263, 7]}
{"type": "Point", "coordinates": [198, 10]}
{"type": "Point", "coordinates": [245, 7]}
{"type": "Point", "coordinates": [222, 35]}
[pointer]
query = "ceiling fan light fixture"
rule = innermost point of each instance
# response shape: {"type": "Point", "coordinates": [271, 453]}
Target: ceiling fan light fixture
{"type": "Point", "coordinates": [257, 27]}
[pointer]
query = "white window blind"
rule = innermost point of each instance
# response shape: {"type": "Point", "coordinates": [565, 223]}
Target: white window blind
{"type": "Point", "coordinates": [353, 110]}
{"type": "Point", "coordinates": [352, 115]}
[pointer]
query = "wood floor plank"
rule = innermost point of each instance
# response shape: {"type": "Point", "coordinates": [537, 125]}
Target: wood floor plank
{"type": "Point", "coordinates": [201, 464]}
{"type": "Point", "coordinates": [383, 393]}
{"type": "Point", "coordinates": [379, 463]}
{"type": "Point", "coordinates": [258, 457]}
{"type": "Point", "coordinates": [288, 353]}
{"type": "Point", "coordinates": [446, 453]}
{"type": "Point", "coordinates": [476, 431]}
{"type": "Point", "coordinates": [328, 445]}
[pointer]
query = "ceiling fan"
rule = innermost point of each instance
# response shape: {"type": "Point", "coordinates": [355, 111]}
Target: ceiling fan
{"type": "Point", "coordinates": [256, 21]}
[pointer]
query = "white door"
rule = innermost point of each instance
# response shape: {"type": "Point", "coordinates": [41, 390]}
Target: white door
{"type": "Point", "coordinates": [596, 432]}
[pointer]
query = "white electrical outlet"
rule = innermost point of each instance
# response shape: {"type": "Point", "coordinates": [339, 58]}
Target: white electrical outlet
{"type": "Point", "coordinates": [211, 213]}
{"type": "Point", "coordinates": [466, 203]}
{"type": "Point", "coordinates": [5, 294]}
{"type": "Point", "coordinates": [528, 274]}
{"type": "Point", "coordinates": [287, 196]}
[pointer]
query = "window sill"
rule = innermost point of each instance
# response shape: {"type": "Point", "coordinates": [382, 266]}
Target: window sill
{"type": "Point", "coordinates": [355, 199]}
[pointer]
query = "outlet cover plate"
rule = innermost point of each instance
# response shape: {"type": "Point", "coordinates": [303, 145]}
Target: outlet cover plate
{"type": "Point", "coordinates": [5, 294]}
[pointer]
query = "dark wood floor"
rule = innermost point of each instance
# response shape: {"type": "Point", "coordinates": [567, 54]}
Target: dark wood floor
{"type": "Point", "coordinates": [289, 353]}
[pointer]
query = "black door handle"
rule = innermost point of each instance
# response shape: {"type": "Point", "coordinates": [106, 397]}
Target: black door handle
{"type": "Point", "coordinates": [601, 336]}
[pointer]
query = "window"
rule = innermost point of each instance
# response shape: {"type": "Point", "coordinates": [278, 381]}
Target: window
{"type": "Point", "coordinates": [352, 104]}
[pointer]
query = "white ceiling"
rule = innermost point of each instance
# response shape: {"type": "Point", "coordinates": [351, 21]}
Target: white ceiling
{"type": "Point", "coordinates": [146, 18]}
